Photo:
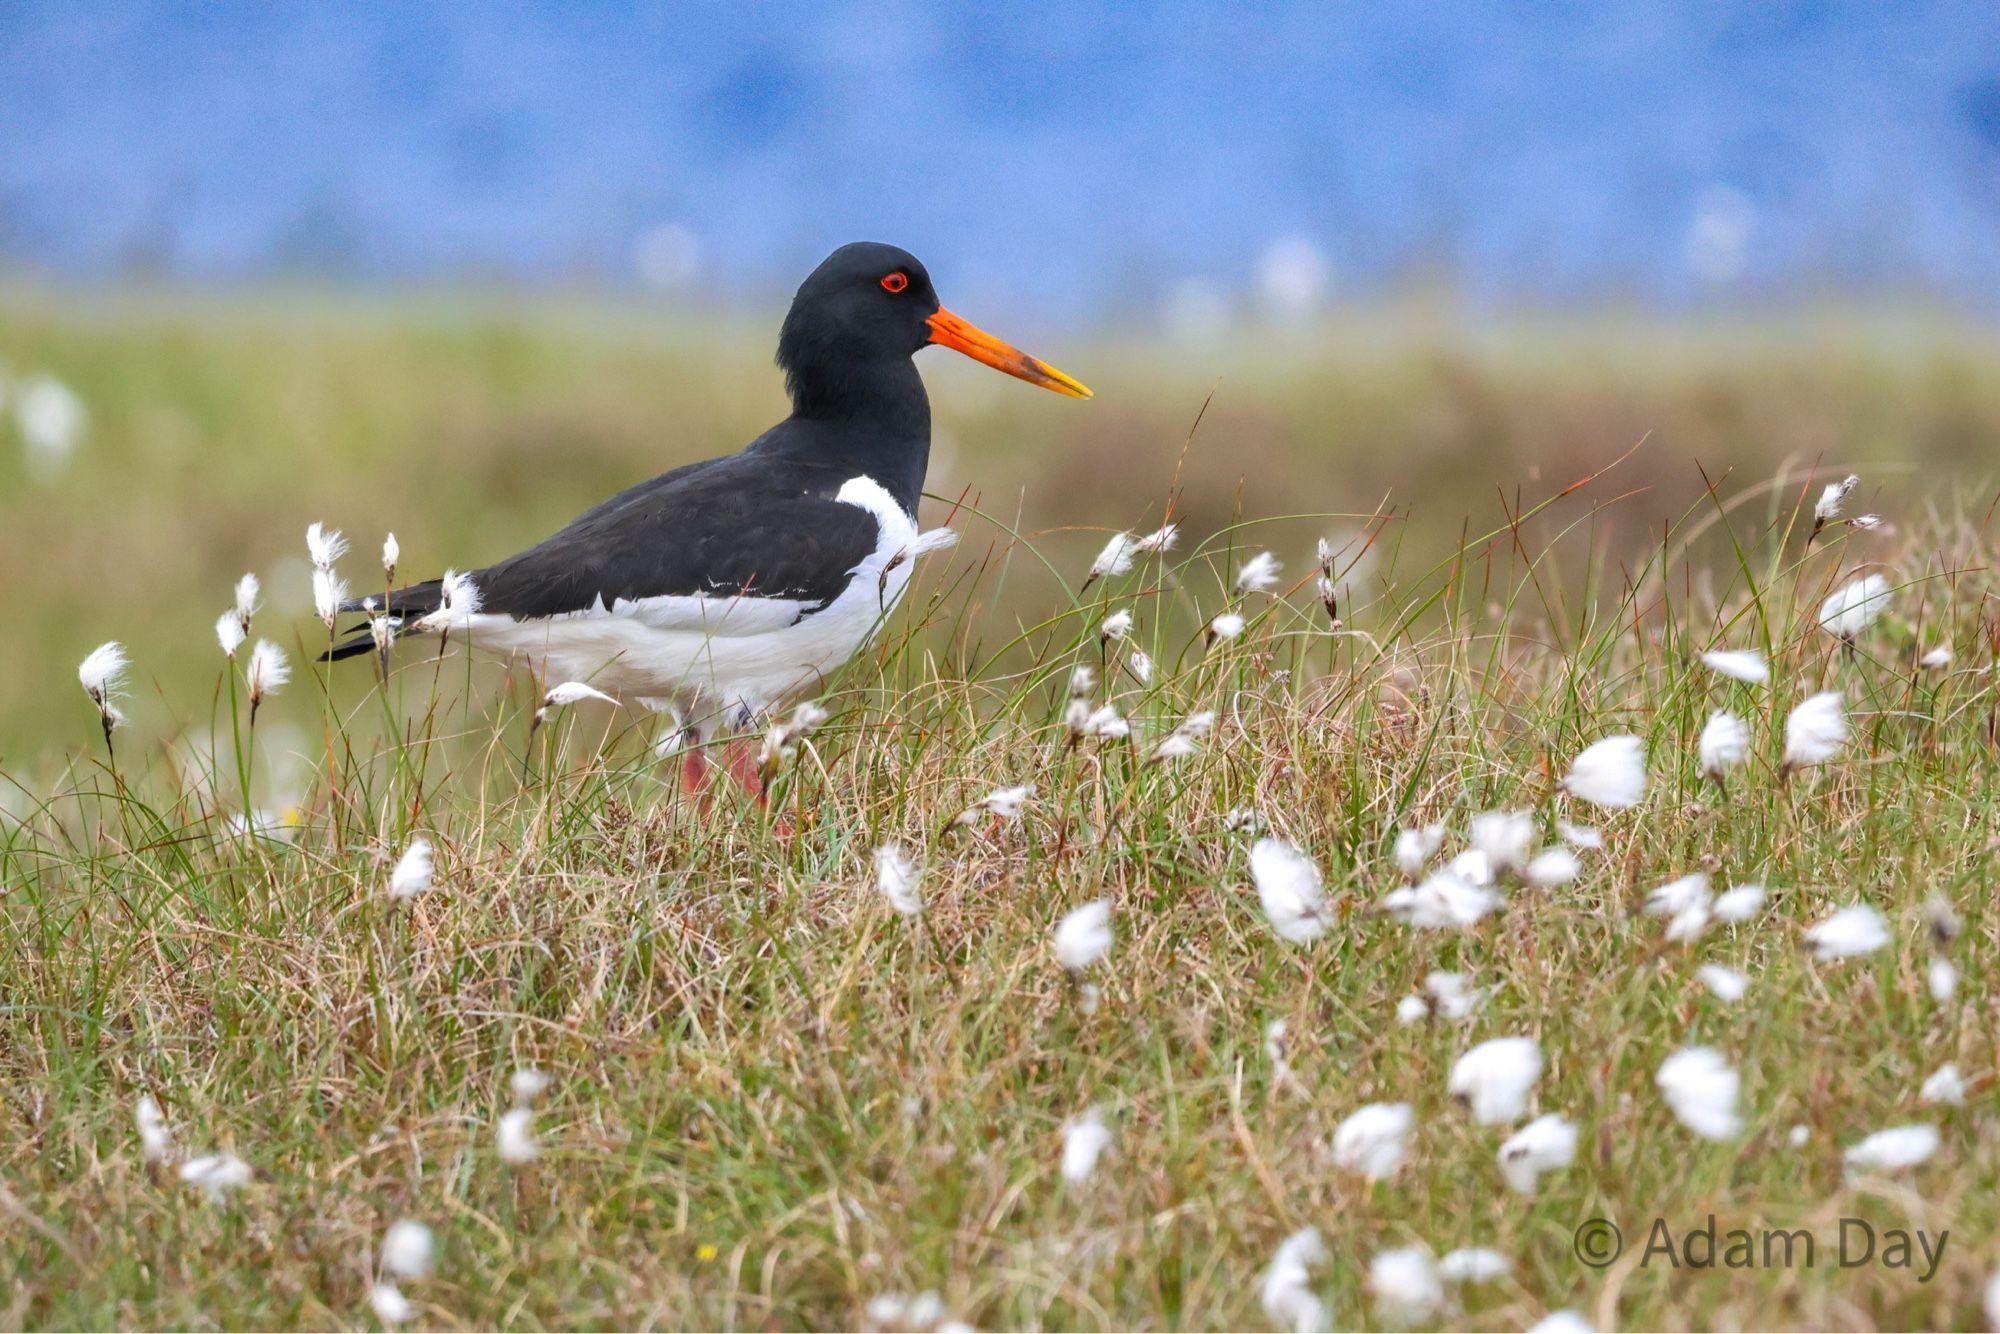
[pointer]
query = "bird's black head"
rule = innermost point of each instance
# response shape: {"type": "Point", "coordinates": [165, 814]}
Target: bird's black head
{"type": "Point", "coordinates": [859, 318]}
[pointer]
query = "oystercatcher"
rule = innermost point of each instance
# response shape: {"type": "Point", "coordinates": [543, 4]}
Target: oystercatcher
{"type": "Point", "coordinates": [721, 589]}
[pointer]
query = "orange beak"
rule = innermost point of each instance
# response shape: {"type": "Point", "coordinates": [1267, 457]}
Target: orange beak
{"type": "Point", "coordinates": [950, 331]}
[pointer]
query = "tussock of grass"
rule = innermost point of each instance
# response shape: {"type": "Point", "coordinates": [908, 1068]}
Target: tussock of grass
{"type": "Point", "coordinates": [774, 1099]}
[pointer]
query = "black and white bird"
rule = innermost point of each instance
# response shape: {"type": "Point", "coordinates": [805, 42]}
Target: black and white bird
{"type": "Point", "coordinates": [721, 589]}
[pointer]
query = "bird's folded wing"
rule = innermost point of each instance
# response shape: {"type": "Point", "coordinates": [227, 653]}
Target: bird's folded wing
{"type": "Point", "coordinates": [702, 555]}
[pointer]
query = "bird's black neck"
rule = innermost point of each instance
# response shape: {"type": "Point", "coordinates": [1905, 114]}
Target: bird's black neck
{"type": "Point", "coordinates": [870, 418]}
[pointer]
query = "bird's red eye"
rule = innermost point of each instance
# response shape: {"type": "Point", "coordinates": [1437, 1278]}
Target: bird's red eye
{"type": "Point", "coordinates": [895, 282]}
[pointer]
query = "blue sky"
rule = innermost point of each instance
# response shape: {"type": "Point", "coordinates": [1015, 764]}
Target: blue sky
{"type": "Point", "coordinates": [1082, 160]}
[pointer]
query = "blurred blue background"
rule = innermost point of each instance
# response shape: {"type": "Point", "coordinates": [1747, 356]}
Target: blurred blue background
{"type": "Point", "coordinates": [1079, 163]}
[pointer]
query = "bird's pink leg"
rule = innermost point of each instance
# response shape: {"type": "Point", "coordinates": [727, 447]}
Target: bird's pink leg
{"type": "Point", "coordinates": [694, 770]}
{"type": "Point", "coordinates": [740, 759]}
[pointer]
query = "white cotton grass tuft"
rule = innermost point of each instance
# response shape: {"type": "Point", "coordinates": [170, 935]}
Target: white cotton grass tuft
{"type": "Point", "coordinates": [1992, 1301]}
{"type": "Point", "coordinates": [218, 1175]}
{"type": "Point", "coordinates": [1686, 903]}
{"type": "Point", "coordinates": [1941, 977]}
{"type": "Point", "coordinates": [1140, 664]}
{"type": "Point", "coordinates": [1854, 930]}
{"type": "Point", "coordinates": [1495, 1078]}
{"type": "Point", "coordinates": [1453, 994]}
{"type": "Point", "coordinates": [897, 878]}
{"type": "Point", "coordinates": [1374, 1140]}
{"type": "Point", "coordinates": [1445, 901]}
{"type": "Point", "coordinates": [1473, 1264]}
{"type": "Point", "coordinates": [1084, 935]}
{"type": "Point", "coordinates": [1853, 607]}
{"type": "Point", "coordinates": [1894, 1150]}
{"type": "Point", "coordinates": [248, 590]}
{"type": "Point", "coordinates": [1285, 1290]}
{"type": "Point", "coordinates": [514, 1136]}
{"type": "Point", "coordinates": [1416, 846]}
{"type": "Point", "coordinates": [1185, 739]}
{"type": "Point", "coordinates": [1828, 507]}
{"type": "Point", "coordinates": [1701, 1089]}
{"type": "Point", "coordinates": [1725, 984]}
{"type": "Point", "coordinates": [1259, 574]}
{"type": "Point", "coordinates": [1406, 1285]}
{"type": "Point", "coordinates": [229, 632]}
{"type": "Point", "coordinates": [1227, 626]}
{"type": "Point", "coordinates": [1815, 731]}
{"type": "Point", "coordinates": [1564, 1321]}
{"type": "Point", "coordinates": [1290, 891]}
{"type": "Point", "coordinates": [1158, 541]}
{"type": "Point", "coordinates": [1724, 744]}
{"type": "Point", "coordinates": [1742, 665]}
{"type": "Point", "coordinates": [266, 673]}
{"type": "Point", "coordinates": [1085, 1138]}
{"type": "Point", "coordinates": [1503, 838]}
{"type": "Point", "coordinates": [392, 554]}
{"type": "Point", "coordinates": [526, 1085]}
{"type": "Point", "coordinates": [1552, 866]}
{"type": "Point", "coordinates": [414, 871]}
{"type": "Point", "coordinates": [1115, 559]}
{"type": "Point", "coordinates": [407, 1249]}
{"type": "Point", "coordinates": [156, 1141]}
{"type": "Point", "coordinates": [1004, 803]}
{"type": "Point", "coordinates": [1935, 659]}
{"type": "Point", "coordinates": [1544, 1145]}
{"type": "Point", "coordinates": [781, 740]}
{"type": "Point", "coordinates": [1581, 837]}
{"type": "Point", "coordinates": [1115, 626]}
{"type": "Point", "coordinates": [458, 602]}
{"type": "Point", "coordinates": [1739, 903]}
{"type": "Point", "coordinates": [102, 675]}
{"type": "Point", "coordinates": [1945, 1085]}
{"type": "Point", "coordinates": [391, 1307]}
{"type": "Point", "coordinates": [1412, 1010]}
{"type": "Point", "coordinates": [324, 546]}
{"type": "Point", "coordinates": [1610, 773]}
{"type": "Point", "coordinates": [329, 592]}
{"type": "Point", "coordinates": [574, 692]}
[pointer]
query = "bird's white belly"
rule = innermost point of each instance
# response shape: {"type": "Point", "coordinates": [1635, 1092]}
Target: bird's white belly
{"type": "Point", "coordinates": [721, 654]}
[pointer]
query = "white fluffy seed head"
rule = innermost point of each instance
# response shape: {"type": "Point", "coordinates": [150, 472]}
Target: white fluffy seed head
{"type": "Point", "coordinates": [527, 1084]}
{"type": "Point", "coordinates": [1406, 1285]}
{"type": "Point", "coordinates": [102, 672]}
{"type": "Point", "coordinates": [574, 692]}
{"type": "Point", "coordinates": [1552, 866]}
{"type": "Point", "coordinates": [1945, 1086]}
{"type": "Point", "coordinates": [1503, 838]}
{"type": "Point", "coordinates": [1474, 1264]}
{"type": "Point", "coordinates": [1854, 930]}
{"type": "Point", "coordinates": [413, 873]}
{"type": "Point", "coordinates": [1815, 730]}
{"type": "Point", "coordinates": [391, 1307]}
{"type": "Point", "coordinates": [392, 553]}
{"type": "Point", "coordinates": [897, 878]}
{"type": "Point", "coordinates": [1415, 848]}
{"type": "Point", "coordinates": [1085, 1138]}
{"type": "Point", "coordinates": [1738, 665]}
{"type": "Point", "coordinates": [1159, 540]}
{"type": "Point", "coordinates": [1741, 903]}
{"type": "Point", "coordinates": [1853, 607]}
{"type": "Point", "coordinates": [216, 1174]}
{"type": "Point", "coordinates": [1701, 1090]}
{"type": "Point", "coordinates": [1942, 979]}
{"type": "Point", "coordinates": [514, 1137]}
{"type": "Point", "coordinates": [1227, 626]}
{"type": "Point", "coordinates": [1610, 773]}
{"type": "Point", "coordinates": [324, 545]}
{"type": "Point", "coordinates": [1259, 574]}
{"type": "Point", "coordinates": [229, 632]}
{"type": "Point", "coordinates": [1116, 558]}
{"type": "Point", "coordinates": [1541, 1146]}
{"type": "Point", "coordinates": [1373, 1140]}
{"type": "Point", "coordinates": [155, 1140]}
{"type": "Point", "coordinates": [1495, 1079]}
{"type": "Point", "coordinates": [1285, 1290]}
{"type": "Point", "coordinates": [329, 591]}
{"type": "Point", "coordinates": [247, 592]}
{"type": "Point", "coordinates": [1290, 890]}
{"type": "Point", "coordinates": [1894, 1150]}
{"type": "Point", "coordinates": [267, 670]}
{"type": "Point", "coordinates": [1115, 626]}
{"type": "Point", "coordinates": [407, 1249]}
{"type": "Point", "coordinates": [1725, 984]}
{"type": "Point", "coordinates": [1725, 742]}
{"type": "Point", "coordinates": [1833, 497]}
{"type": "Point", "coordinates": [1084, 936]}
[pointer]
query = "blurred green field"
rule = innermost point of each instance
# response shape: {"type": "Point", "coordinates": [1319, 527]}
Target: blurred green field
{"type": "Point", "coordinates": [220, 426]}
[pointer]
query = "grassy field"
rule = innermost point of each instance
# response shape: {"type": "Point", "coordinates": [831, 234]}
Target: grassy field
{"type": "Point", "coordinates": [774, 1100]}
